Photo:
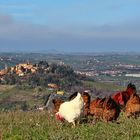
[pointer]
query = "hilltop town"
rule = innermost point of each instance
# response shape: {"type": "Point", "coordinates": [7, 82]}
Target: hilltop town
{"type": "Point", "coordinates": [22, 69]}
{"type": "Point", "coordinates": [42, 74]}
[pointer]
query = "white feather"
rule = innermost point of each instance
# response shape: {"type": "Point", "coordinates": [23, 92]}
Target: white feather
{"type": "Point", "coordinates": [72, 110]}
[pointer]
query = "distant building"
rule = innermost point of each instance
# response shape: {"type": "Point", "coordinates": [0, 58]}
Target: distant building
{"type": "Point", "coordinates": [132, 75]}
{"type": "Point", "coordinates": [53, 86]}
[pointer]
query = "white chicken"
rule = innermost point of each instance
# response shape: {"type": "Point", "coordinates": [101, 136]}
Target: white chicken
{"type": "Point", "coordinates": [71, 110]}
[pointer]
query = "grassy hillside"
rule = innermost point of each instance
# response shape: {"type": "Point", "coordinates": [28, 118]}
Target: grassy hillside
{"type": "Point", "coordinates": [21, 97]}
{"type": "Point", "coordinates": [24, 97]}
{"type": "Point", "coordinates": [42, 126]}
{"type": "Point", "coordinates": [102, 86]}
{"type": "Point", "coordinates": [39, 125]}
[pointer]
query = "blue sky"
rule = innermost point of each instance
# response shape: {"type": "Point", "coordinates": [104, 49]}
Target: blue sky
{"type": "Point", "coordinates": [70, 25]}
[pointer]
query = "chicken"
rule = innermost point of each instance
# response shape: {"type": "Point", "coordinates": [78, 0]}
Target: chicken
{"type": "Point", "coordinates": [57, 103]}
{"type": "Point", "coordinates": [96, 108]}
{"type": "Point", "coordinates": [133, 106]}
{"type": "Point", "coordinates": [86, 98]}
{"type": "Point", "coordinates": [104, 109]}
{"type": "Point", "coordinates": [111, 110]}
{"type": "Point", "coordinates": [71, 110]}
{"type": "Point", "coordinates": [122, 97]}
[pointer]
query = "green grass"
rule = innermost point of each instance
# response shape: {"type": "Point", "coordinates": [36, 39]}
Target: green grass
{"type": "Point", "coordinates": [13, 97]}
{"type": "Point", "coordinates": [35, 125]}
{"type": "Point", "coordinates": [102, 86]}
{"type": "Point", "coordinates": [42, 126]}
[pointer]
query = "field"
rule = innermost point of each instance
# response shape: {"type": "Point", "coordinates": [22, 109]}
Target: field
{"type": "Point", "coordinates": [13, 97]}
{"type": "Point", "coordinates": [41, 126]}
{"type": "Point", "coordinates": [21, 97]}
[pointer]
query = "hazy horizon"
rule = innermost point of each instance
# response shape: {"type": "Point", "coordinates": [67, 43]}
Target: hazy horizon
{"type": "Point", "coordinates": [70, 52]}
{"type": "Point", "coordinates": [70, 26]}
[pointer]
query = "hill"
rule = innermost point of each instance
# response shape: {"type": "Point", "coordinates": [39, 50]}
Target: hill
{"type": "Point", "coordinates": [40, 74]}
{"type": "Point", "coordinates": [24, 97]}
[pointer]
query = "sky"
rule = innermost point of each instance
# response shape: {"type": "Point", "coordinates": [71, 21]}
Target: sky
{"type": "Point", "coordinates": [70, 25]}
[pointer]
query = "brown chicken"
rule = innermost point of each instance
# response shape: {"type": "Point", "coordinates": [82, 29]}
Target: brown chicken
{"type": "Point", "coordinates": [111, 110]}
{"type": "Point", "coordinates": [96, 108]}
{"type": "Point", "coordinates": [122, 97]}
{"type": "Point", "coordinates": [57, 103]}
{"type": "Point", "coordinates": [86, 98]}
{"type": "Point", "coordinates": [133, 106]}
{"type": "Point", "coordinates": [104, 109]}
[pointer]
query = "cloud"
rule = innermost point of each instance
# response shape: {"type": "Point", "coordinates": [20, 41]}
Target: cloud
{"type": "Point", "coordinates": [22, 36]}
{"type": "Point", "coordinates": [5, 19]}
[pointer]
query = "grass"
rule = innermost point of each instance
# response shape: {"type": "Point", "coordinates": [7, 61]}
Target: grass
{"type": "Point", "coordinates": [12, 97]}
{"type": "Point", "coordinates": [41, 126]}
{"type": "Point", "coordinates": [35, 125]}
{"type": "Point", "coordinates": [102, 86]}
